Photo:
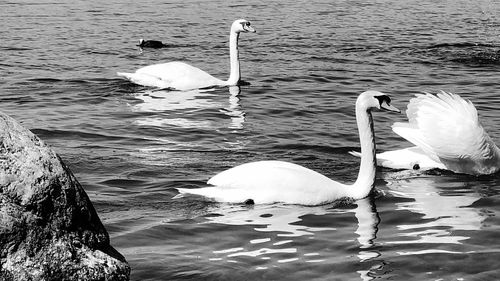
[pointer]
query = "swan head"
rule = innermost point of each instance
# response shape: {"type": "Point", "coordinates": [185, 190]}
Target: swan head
{"type": "Point", "coordinates": [375, 100]}
{"type": "Point", "coordinates": [241, 25]}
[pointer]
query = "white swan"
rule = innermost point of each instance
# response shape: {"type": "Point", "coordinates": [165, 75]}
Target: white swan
{"type": "Point", "coordinates": [276, 181]}
{"type": "Point", "coordinates": [182, 76]}
{"type": "Point", "coordinates": [447, 134]}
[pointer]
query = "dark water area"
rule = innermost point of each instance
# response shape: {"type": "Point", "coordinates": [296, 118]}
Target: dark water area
{"type": "Point", "coordinates": [130, 146]}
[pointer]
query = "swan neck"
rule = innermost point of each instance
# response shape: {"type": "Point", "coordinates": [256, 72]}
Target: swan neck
{"type": "Point", "coordinates": [234, 76]}
{"type": "Point", "coordinates": [367, 170]}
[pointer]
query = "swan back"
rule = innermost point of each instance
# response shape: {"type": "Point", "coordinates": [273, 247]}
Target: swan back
{"type": "Point", "coordinates": [447, 128]}
{"type": "Point", "coordinates": [176, 75]}
{"type": "Point", "coordinates": [271, 181]}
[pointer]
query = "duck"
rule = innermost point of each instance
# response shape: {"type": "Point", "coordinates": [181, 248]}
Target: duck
{"type": "Point", "coordinates": [155, 44]}
{"type": "Point", "coordinates": [182, 76]}
{"type": "Point", "coordinates": [274, 181]}
{"type": "Point", "coordinates": [446, 134]}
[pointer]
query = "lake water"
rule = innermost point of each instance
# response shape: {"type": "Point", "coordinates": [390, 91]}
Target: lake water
{"type": "Point", "coordinates": [131, 147]}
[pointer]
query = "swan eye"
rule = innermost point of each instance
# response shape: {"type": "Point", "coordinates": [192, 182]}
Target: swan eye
{"type": "Point", "coordinates": [383, 98]}
{"type": "Point", "coordinates": [245, 25]}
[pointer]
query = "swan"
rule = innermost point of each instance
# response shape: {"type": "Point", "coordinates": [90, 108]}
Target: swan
{"type": "Point", "coordinates": [181, 76]}
{"type": "Point", "coordinates": [447, 135]}
{"type": "Point", "coordinates": [151, 44]}
{"type": "Point", "coordinates": [266, 182]}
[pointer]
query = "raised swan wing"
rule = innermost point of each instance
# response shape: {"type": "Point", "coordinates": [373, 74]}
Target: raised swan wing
{"type": "Point", "coordinates": [447, 128]}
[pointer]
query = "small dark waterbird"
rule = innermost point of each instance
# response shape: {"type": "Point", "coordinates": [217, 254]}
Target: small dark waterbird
{"type": "Point", "coordinates": [155, 44]}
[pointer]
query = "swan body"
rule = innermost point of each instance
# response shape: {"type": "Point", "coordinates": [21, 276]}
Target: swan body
{"type": "Point", "coordinates": [269, 182]}
{"type": "Point", "coordinates": [447, 134]}
{"type": "Point", "coordinates": [405, 159]}
{"type": "Point", "coordinates": [175, 75]}
{"type": "Point", "coordinates": [182, 76]}
{"type": "Point", "coordinates": [266, 182]}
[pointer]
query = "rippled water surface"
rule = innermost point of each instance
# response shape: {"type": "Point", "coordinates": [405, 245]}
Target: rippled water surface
{"type": "Point", "coordinates": [131, 147]}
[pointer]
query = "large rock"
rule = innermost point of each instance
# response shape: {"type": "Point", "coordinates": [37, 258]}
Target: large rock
{"type": "Point", "coordinates": [49, 229]}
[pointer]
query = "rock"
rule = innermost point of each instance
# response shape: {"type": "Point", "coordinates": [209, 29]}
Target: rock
{"type": "Point", "coordinates": [49, 229]}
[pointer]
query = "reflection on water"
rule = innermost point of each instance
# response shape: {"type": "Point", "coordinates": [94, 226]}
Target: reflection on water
{"type": "Point", "coordinates": [443, 214]}
{"type": "Point", "coordinates": [179, 121]}
{"type": "Point", "coordinates": [285, 227]}
{"type": "Point", "coordinates": [273, 218]}
{"type": "Point", "coordinates": [234, 110]}
{"type": "Point", "coordinates": [368, 221]}
{"type": "Point", "coordinates": [281, 222]}
{"type": "Point", "coordinates": [172, 107]}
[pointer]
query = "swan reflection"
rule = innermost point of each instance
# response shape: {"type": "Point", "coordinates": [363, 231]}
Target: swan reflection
{"type": "Point", "coordinates": [442, 214]}
{"type": "Point", "coordinates": [272, 218]}
{"type": "Point", "coordinates": [284, 227]}
{"type": "Point", "coordinates": [172, 107]}
{"type": "Point", "coordinates": [368, 221]}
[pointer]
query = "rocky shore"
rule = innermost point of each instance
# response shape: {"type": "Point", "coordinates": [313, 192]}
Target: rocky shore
{"type": "Point", "coordinates": [49, 229]}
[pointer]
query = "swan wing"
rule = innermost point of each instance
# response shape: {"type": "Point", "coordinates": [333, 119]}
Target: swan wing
{"type": "Point", "coordinates": [268, 182]}
{"type": "Point", "coordinates": [175, 75]}
{"type": "Point", "coordinates": [447, 128]}
{"type": "Point", "coordinates": [180, 75]}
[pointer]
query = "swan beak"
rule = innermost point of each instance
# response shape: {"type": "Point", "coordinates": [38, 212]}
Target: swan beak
{"type": "Point", "coordinates": [385, 106]}
{"type": "Point", "coordinates": [250, 29]}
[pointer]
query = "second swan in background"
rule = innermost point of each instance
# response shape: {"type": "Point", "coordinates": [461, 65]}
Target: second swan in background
{"type": "Point", "coordinates": [266, 182]}
{"type": "Point", "coordinates": [181, 76]}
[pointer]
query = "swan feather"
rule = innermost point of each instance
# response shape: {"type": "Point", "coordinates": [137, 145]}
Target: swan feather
{"type": "Point", "coordinates": [267, 182]}
{"type": "Point", "coordinates": [176, 75]}
{"type": "Point", "coordinates": [406, 158]}
{"type": "Point", "coordinates": [447, 128]}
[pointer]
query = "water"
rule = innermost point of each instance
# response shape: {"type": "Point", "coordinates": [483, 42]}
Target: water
{"type": "Point", "coordinates": [130, 147]}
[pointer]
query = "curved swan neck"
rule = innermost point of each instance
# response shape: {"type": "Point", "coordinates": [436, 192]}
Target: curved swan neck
{"type": "Point", "coordinates": [366, 176]}
{"type": "Point", "coordinates": [234, 76]}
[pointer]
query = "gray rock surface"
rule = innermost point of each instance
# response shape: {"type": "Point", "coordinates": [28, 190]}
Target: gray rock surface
{"type": "Point", "coordinates": [49, 229]}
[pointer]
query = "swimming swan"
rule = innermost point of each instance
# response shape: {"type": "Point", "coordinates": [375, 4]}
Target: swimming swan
{"type": "Point", "coordinates": [266, 182]}
{"type": "Point", "coordinates": [447, 134]}
{"type": "Point", "coordinates": [182, 76]}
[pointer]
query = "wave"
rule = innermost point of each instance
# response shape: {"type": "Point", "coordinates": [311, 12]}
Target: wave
{"type": "Point", "coordinates": [466, 53]}
{"type": "Point", "coordinates": [461, 45]}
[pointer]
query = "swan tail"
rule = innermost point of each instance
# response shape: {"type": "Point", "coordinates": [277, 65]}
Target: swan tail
{"type": "Point", "coordinates": [144, 79]}
{"type": "Point", "coordinates": [184, 191]}
{"type": "Point", "coordinates": [355, 153]}
{"type": "Point", "coordinates": [125, 75]}
{"type": "Point", "coordinates": [216, 193]}
{"type": "Point", "coordinates": [178, 196]}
